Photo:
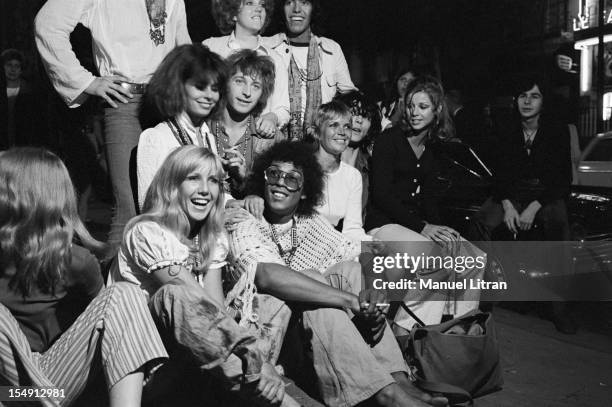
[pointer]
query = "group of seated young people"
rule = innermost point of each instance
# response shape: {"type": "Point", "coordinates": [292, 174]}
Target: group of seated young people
{"type": "Point", "coordinates": [292, 261]}
{"type": "Point", "coordinates": [252, 190]}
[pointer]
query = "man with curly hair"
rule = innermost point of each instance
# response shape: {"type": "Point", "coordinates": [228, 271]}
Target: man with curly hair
{"type": "Point", "coordinates": [317, 67]}
{"type": "Point", "coordinates": [242, 22]}
{"type": "Point", "coordinates": [294, 261]}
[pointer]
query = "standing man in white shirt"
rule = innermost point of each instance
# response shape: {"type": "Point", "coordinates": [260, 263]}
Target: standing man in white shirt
{"type": "Point", "coordinates": [317, 67]}
{"type": "Point", "coordinates": [243, 21]}
{"type": "Point", "coordinates": [130, 38]}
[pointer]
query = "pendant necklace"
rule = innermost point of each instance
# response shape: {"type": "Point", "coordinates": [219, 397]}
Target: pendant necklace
{"type": "Point", "coordinates": [222, 138]}
{"type": "Point", "coordinates": [286, 255]}
{"type": "Point", "coordinates": [156, 9]}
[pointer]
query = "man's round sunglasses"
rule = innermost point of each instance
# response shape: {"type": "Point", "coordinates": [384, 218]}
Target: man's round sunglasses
{"type": "Point", "coordinates": [292, 180]}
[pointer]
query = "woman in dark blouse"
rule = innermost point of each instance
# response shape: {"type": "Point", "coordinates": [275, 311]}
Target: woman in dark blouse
{"type": "Point", "coordinates": [403, 168]}
{"type": "Point", "coordinates": [403, 211]}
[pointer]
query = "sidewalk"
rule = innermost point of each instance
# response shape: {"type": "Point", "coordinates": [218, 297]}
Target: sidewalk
{"type": "Point", "coordinates": [543, 368]}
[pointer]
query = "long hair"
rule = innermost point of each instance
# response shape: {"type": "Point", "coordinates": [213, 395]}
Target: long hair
{"type": "Point", "coordinates": [38, 219]}
{"type": "Point", "coordinates": [394, 94]}
{"type": "Point", "coordinates": [361, 105]}
{"type": "Point", "coordinates": [260, 67]}
{"type": "Point", "coordinates": [162, 202]}
{"type": "Point", "coordinates": [224, 11]}
{"type": "Point", "coordinates": [166, 90]}
{"type": "Point", "coordinates": [302, 156]}
{"type": "Point", "coordinates": [442, 127]}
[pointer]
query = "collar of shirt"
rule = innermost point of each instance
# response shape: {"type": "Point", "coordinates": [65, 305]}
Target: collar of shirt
{"type": "Point", "coordinates": [233, 44]}
{"type": "Point", "coordinates": [319, 41]}
{"type": "Point", "coordinates": [184, 121]}
{"type": "Point", "coordinates": [245, 138]}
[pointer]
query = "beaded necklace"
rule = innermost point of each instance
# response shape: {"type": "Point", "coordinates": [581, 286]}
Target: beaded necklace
{"type": "Point", "coordinates": [286, 255]}
{"type": "Point", "coordinates": [180, 134]}
{"type": "Point", "coordinates": [222, 138]}
{"type": "Point", "coordinates": [303, 72]}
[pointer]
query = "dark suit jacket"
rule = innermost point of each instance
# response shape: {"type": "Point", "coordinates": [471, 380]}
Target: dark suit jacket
{"type": "Point", "coordinates": [544, 175]}
{"type": "Point", "coordinates": [30, 117]}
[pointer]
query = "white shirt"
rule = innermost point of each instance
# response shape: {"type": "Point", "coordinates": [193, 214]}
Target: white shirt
{"type": "Point", "coordinates": [148, 247]}
{"type": "Point", "coordinates": [278, 102]}
{"type": "Point", "coordinates": [342, 200]}
{"type": "Point", "coordinates": [12, 92]}
{"type": "Point", "coordinates": [121, 41]}
{"type": "Point", "coordinates": [156, 143]}
{"type": "Point", "coordinates": [336, 76]}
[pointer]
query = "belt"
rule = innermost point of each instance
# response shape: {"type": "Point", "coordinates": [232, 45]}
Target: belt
{"type": "Point", "coordinates": [134, 88]}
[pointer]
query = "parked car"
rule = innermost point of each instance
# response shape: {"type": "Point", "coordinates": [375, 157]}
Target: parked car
{"type": "Point", "coordinates": [595, 166]}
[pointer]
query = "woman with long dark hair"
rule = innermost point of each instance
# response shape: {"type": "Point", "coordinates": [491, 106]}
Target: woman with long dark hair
{"type": "Point", "coordinates": [55, 319]}
{"type": "Point", "coordinates": [403, 206]}
{"type": "Point", "coordinates": [185, 90]}
{"type": "Point", "coordinates": [365, 129]}
{"type": "Point", "coordinates": [392, 109]}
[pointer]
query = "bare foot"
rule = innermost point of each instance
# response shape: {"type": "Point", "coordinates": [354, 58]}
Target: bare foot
{"type": "Point", "coordinates": [402, 379]}
{"type": "Point", "coordinates": [394, 396]}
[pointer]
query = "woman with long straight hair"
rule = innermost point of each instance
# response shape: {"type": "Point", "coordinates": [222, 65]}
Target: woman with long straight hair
{"type": "Point", "coordinates": [55, 319]}
{"type": "Point", "coordinates": [185, 91]}
{"type": "Point", "coordinates": [403, 208]}
{"type": "Point", "coordinates": [392, 109]}
{"type": "Point", "coordinates": [175, 252]}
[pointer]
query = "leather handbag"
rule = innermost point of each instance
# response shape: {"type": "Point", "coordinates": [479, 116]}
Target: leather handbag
{"type": "Point", "coordinates": [458, 358]}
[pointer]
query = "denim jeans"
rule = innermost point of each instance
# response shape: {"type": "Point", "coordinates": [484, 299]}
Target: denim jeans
{"type": "Point", "coordinates": [196, 332]}
{"type": "Point", "coordinates": [122, 130]}
{"type": "Point", "coordinates": [348, 371]}
{"type": "Point", "coordinates": [552, 216]}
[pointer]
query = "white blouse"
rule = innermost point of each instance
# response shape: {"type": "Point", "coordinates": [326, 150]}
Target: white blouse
{"type": "Point", "coordinates": [342, 196]}
{"type": "Point", "coordinates": [148, 247]}
{"type": "Point", "coordinates": [156, 143]}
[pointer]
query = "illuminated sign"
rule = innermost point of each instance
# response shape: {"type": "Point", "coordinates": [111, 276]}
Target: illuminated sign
{"type": "Point", "coordinates": [583, 20]}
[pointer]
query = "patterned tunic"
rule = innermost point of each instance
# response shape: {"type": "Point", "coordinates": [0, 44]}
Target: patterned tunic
{"type": "Point", "coordinates": [319, 247]}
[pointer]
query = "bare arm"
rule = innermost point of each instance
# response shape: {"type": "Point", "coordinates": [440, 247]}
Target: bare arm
{"type": "Point", "coordinates": [286, 284]}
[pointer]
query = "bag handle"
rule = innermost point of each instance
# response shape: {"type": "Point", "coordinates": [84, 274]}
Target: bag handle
{"type": "Point", "coordinates": [456, 395]}
{"type": "Point", "coordinates": [412, 314]}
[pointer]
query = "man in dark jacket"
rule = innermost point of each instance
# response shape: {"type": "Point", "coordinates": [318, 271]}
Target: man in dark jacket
{"type": "Point", "coordinates": [21, 108]}
{"type": "Point", "coordinates": [533, 178]}
{"type": "Point", "coordinates": [533, 174]}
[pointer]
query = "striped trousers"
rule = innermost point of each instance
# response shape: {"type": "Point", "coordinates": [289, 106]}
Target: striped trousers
{"type": "Point", "coordinates": [114, 334]}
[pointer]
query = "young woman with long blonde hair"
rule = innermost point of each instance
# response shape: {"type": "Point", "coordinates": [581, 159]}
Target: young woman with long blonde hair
{"type": "Point", "coordinates": [56, 321]}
